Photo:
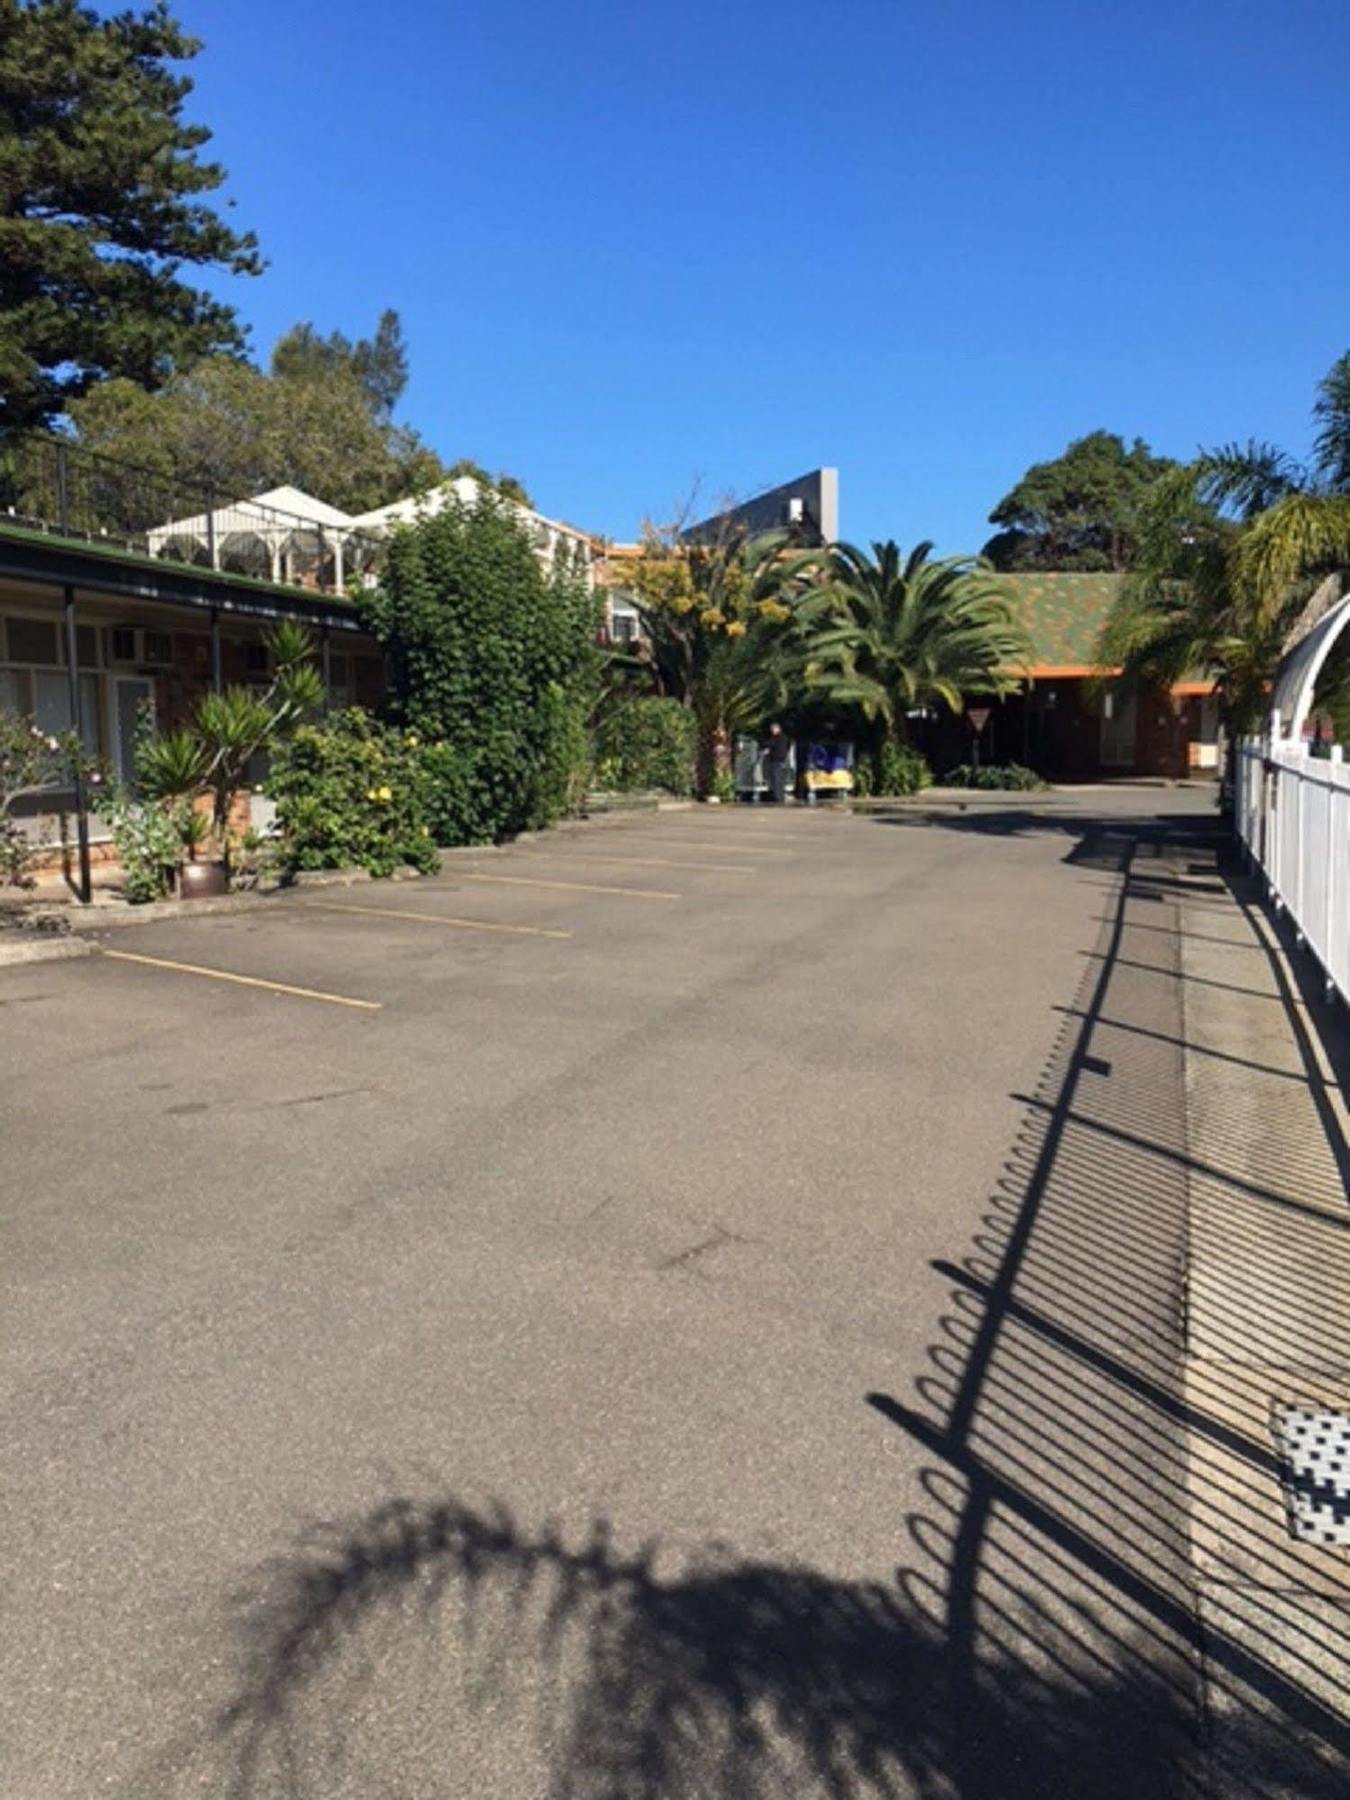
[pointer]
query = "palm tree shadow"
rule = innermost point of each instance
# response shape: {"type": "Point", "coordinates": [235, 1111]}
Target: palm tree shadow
{"type": "Point", "coordinates": [1042, 1637]}
{"type": "Point", "coordinates": [724, 1678]}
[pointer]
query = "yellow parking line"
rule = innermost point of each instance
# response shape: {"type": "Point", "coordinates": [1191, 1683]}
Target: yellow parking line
{"type": "Point", "coordinates": [393, 912]}
{"type": "Point", "coordinates": [654, 862]}
{"type": "Point", "coordinates": [579, 887]}
{"type": "Point", "coordinates": [274, 987]}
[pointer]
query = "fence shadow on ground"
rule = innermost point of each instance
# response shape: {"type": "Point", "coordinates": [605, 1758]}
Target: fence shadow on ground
{"type": "Point", "coordinates": [1040, 1636]}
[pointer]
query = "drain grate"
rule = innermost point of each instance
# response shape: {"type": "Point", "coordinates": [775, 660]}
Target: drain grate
{"type": "Point", "coordinates": [1315, 1449]}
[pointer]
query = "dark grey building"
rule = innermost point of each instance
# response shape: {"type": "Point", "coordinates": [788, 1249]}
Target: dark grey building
{"type": "Point", "coordinates": [807, 507]}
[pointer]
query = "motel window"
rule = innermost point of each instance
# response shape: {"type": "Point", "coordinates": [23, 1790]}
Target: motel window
{"type": "Point", "coordinates": [33, 681]}
{"type": "Point", "coordinates": [32, 641]}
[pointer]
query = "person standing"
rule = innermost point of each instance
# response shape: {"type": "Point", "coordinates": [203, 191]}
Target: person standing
{"type": "Point", "coordinates": [778, 755]}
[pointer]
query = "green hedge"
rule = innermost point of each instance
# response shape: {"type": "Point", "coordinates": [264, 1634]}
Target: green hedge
{"type": "Point", "coordinates": [493, 658]}
{"type": "Point", "coordinates": [646, 744]}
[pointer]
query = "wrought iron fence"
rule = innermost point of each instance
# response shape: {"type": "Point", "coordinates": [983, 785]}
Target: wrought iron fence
{"type": "Point", "coordinates": [58, 487]}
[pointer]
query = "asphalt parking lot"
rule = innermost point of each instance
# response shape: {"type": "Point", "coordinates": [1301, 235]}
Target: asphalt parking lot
{"type": "Point", "coordinates": [440, 1321]}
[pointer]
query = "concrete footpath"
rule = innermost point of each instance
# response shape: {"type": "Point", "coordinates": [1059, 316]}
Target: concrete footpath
{"type": "Point", "coordinates": [1267, 1330]}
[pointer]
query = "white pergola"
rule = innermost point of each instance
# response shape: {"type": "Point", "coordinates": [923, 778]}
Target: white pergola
{"type": "Point", "coordinates": [274, 533]}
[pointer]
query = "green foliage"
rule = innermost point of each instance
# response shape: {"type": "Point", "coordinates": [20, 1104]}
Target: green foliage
{"type": "Point", "coordinates": [889, 634]}
{"type": "Point", "coordinates": [721, 622]}
{"type": "Point", "coordinates": [1233, 559]}
{"type": "Point", "coordinates": [171, 767]}
{"type": "Point", "coordinates": [490, 657]}
{"type": "Point", "coordinates": [379, 365]}
{"type": "Point", "coordinates": [149, 838]}
{"type": "Point", "coordinates": [993, 777]}
{"type": "Point", "coordinates": [224, 425]}
{"type": "Point", "coordinates": [102, 208]}
{"type": "Point", "coordinates": [722, 787]}
{"type": "Point", "coordinates": [31, 762]}
{"type": "Point", "coordinates": [351, 792]}
{"type": "Point", "coordinates": [647, 743]}
{"type": "Point", "coordinates": [897, 769]}
{"type": "Point", "coordinates": [451, 812]}
{"type": "Point", "coordinates": [1079, 511]}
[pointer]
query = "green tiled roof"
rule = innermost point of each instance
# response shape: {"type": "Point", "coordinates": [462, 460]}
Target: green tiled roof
{"type": "Point", "coordinates": [1063, 614]}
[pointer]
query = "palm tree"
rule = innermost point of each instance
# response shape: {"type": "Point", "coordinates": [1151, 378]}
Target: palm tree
{"type": "Point", "coordinates": [890, 635]}
{"type": "Point", "coordinates": [720, 621]}
{"type": "Point", "coordinates": [1241, 552]}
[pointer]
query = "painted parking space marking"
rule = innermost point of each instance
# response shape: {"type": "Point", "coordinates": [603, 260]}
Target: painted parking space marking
{"type": "Point", "coordinates": [426, 918]}
{"type": "Point", "coordinates": [255, 981]}
{"type": "Point", "coordinates": [576, 887]}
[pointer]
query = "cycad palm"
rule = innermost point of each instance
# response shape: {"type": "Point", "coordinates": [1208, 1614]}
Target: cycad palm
{"type": "Point", "coordinates": [892, 634]}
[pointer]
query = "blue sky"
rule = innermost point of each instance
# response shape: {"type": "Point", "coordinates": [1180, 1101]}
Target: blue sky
{"type": "Point", "coordinates": [642, 245]}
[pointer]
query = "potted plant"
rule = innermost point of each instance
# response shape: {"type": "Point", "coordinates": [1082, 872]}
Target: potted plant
{"type": "Point", "coordinates": [210, 755]}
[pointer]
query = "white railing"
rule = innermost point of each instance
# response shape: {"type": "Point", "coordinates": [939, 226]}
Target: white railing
{"type": "Point", "coordinates": [1292, 812]}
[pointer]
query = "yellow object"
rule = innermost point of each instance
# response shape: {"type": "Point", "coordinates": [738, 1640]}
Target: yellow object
{"type": "Point", "coordinates": [273, 987]}
{"type": "Point", "coordinates": [833, 780]}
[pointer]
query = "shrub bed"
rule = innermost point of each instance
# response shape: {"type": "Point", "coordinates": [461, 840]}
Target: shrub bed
{"type": "Point", "coordinates": [891, 772]}
{"type": "Point", "coordinates": [351, 792]}
{"type": "Point", "coordinates": [993, 777]}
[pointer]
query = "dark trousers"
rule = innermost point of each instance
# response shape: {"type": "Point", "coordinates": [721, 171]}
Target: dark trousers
{"type": "Point", "coordinates": [778, 781]}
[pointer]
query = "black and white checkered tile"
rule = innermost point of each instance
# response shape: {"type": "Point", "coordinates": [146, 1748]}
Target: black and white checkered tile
{"type": "Point", "coordinates": [1315, 1450]}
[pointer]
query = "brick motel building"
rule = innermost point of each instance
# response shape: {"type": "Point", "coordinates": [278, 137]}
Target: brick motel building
{"type": "Point", "coordinates": [1063, 725]}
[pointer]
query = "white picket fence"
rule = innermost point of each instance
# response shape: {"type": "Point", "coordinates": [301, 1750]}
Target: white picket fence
{"type": "Point", "coordinates": [1293, 816]}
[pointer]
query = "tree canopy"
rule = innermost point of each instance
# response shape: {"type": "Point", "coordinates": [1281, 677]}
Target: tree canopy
{"type": "Point", "coordinates": [224, 425]}
{"type": "Point", "coordinates": [378, 365]}
{"type": "Point", "coordinates": [101, 208]}
{"type": "Point", "coordinates": [1082, 510]}
{"type": "Point", "coordinates": [890, 634]}
{"type": "Point", "coordinates": [1239, 551]}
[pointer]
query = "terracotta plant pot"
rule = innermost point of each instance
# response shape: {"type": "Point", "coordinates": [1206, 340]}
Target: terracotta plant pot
{"type": "Point", "coordinates": [201, 880]}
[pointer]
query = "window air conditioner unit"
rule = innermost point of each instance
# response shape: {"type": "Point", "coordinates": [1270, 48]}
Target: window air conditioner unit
{"type": "Point", "coordinates": [131, 644]}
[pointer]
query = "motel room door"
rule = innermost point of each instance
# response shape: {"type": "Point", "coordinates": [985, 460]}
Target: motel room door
{"type": "Point", "coordinates": [1119, 723]}
{"type": "Point", "coordinates": [130, 694]}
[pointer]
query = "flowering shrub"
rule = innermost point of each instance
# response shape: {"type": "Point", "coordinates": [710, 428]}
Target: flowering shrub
{"type": "Point", "coordinates": [149, 836]}
{"type": "Point", "coordinates": [32, 762]}
{"type": "Point", "coordinates": [353, 792]}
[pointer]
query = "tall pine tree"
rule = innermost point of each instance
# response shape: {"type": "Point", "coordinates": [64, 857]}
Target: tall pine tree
{"type": "Point", "coordinates": [101, 208]}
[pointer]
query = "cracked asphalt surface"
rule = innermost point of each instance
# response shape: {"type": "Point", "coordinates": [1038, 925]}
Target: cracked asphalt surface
{"type": "Point", "coordinates": [553, 1382]}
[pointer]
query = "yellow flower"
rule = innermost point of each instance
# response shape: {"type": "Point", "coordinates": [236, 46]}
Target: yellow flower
{"type": "Point", "coordinates": [735, 629]}
{"type": "Point", "coordinates": [426, 831]}
{"type": "Point", "coordinates": [371, 794]}
{"type": "Point", "coordinates": [386, 793]}
{"type": "Point", "coordinates": [412, 740]}
{"type": "Point", "coordinates": [711, 617]}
